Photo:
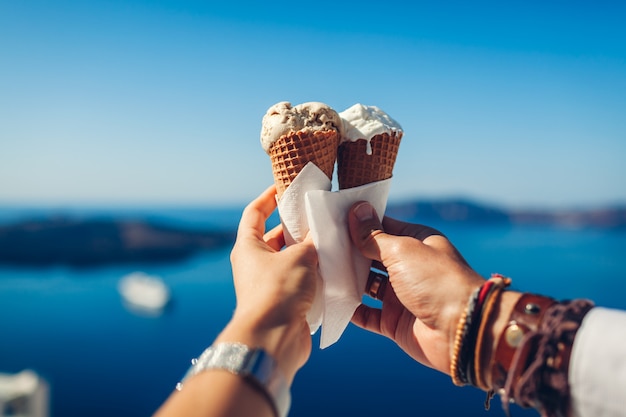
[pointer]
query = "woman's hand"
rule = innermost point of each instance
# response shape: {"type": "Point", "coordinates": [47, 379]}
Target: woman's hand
{"type": "Point", "coordinates": [275, 288]}
{"type": "Point", "coordinates": [430, 284]}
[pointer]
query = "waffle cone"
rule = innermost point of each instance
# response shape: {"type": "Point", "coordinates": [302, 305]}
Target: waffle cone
{"type": "Point", "coordinates": [290, 153]}
{"type": "Point", "coordinates": [355, 167]}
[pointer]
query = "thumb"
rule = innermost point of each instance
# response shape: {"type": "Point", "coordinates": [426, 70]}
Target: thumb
{"type": "Point", "coordinates": [366, 230]}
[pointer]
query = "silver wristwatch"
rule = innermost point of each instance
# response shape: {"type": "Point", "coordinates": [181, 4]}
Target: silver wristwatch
{"type": "Point", "coordinates": [255, 365]}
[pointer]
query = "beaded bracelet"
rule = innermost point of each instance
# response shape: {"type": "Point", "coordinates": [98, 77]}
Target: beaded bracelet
{"type": "Point", "coordinates": [462, 368]}
{"type": "Point", "coordinates": [457, 370]}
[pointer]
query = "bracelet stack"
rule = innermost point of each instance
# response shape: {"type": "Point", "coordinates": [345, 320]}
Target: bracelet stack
{"type": "Point", "coordinates": [465, 357]}
{"type": "Point", "coordinates": [530, 360]}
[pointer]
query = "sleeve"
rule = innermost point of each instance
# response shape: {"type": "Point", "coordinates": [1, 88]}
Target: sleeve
{"type": "Point", "coordinates": [597, 372]}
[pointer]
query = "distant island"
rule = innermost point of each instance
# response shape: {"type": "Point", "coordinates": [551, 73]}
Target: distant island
{"type": "Point", "coordinates": [458, 210]}
{"type": "Point", "coordinates": [85, 243]}
{"type": "Point", "coordinates": [96, 242]}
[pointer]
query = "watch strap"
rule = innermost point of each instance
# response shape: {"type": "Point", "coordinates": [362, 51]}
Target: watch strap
{"type": "Point", "coordinates": [253, 364]}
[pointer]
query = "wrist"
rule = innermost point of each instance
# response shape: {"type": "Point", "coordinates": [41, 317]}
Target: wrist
{"type": "Point", "coordinates": [455, 312]}
{"type": "Point", "coordinates": [253, 365]}
{"type": "Point", "coordinates": [281, 342]}
{"type": "Point", "coordinates": [467, 362]}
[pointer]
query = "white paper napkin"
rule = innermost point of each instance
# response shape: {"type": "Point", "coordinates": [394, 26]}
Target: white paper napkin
{"type": "Point", "coordinates": [342, 267]}
{"type": "Point", "coordinates": [307, 204]}
{"type": "Point", "coordinates": [291, 209]}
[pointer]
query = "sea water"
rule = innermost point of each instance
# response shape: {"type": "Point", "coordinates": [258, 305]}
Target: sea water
{"type": "Point", "coordinates": [101, 359]}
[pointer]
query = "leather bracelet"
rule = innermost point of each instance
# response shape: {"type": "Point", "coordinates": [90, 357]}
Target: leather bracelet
{"type": "Point", "coordinates": [525, 317]}
{"type": "Point", "coordinates": [479, 353]}
{"type": "Point", "coordinates": [539, 374]}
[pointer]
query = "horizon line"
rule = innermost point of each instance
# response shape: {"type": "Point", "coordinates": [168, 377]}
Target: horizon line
{"type": "Point", "coordinates": [227, 205]}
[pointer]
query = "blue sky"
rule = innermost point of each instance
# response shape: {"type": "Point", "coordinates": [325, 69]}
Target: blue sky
{"type": "Point", "coordinates": [138, 103]}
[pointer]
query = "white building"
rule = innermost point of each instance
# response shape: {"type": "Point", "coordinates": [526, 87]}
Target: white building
{"type": "Point", "coordinates": [24, 394]}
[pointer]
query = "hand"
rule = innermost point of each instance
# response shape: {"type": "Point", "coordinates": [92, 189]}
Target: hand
{"type": "Point", "coordinates": [274, 288]}
{"type": "Point", "coordinates": [430, 284]}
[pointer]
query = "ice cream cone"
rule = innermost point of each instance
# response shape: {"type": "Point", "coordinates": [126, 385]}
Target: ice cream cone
{"type": "Point", "coordinates": [293, 136]}
{"type": "Point", "coordinates": [369, 146]}
{"type": "Point", "coordinates": [291, 152]}
{"type": "Point", "coordinates": [356, 167]}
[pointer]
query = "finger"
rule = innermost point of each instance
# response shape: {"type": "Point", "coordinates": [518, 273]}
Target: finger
{"type": "Point", "coordinates": [275, 238]}
{"type": "Point", "coordinates": [308, 246]}
{"type": "Point", "coordinates": [368, 318]}
{"type": "Point", "coordinates": [366, 230]}
{"type": "Point", "coordinates": [439, 242]}
{"type": "Point", "coordinates": [428, 235]}
{"type": "Point", "coordinates": [434, 239]}
{"type": "Point", "coordinates": [255, 214]}
{"type": "Point", "coordinates": [400, 228]}
{"type": "Point", "coordinates": [447, 247]}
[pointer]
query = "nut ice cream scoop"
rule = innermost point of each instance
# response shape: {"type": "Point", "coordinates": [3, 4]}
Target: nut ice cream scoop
{"type": "Point", "coordinates": [369, 146]}
{"type": "Point", "coordinates": [283, 119]}
{"type": "Point", "coordinates": [295, 135]}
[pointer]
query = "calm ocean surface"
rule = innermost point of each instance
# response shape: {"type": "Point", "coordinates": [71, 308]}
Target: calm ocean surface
{"type": "Point", "coordinates": [101, 359]}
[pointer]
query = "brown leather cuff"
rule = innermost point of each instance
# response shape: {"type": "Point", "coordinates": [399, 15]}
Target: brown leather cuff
{"type": "Point", "coordinates": [525, 317]}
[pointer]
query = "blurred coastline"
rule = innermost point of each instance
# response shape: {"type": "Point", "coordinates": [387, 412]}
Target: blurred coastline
{"type": "Point", "coordinates": [71, 326]}
{"type": "Point", "coordinates": [93, 237]}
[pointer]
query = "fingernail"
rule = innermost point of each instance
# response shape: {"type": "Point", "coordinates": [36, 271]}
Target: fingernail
{"type": "Point", "coordinates": [364, 211]}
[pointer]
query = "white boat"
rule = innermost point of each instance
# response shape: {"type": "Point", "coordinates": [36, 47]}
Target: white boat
{"type": "Point", "coordinates": [24, 394]}
{"type": "Point", "coordinates": [144, 293]}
